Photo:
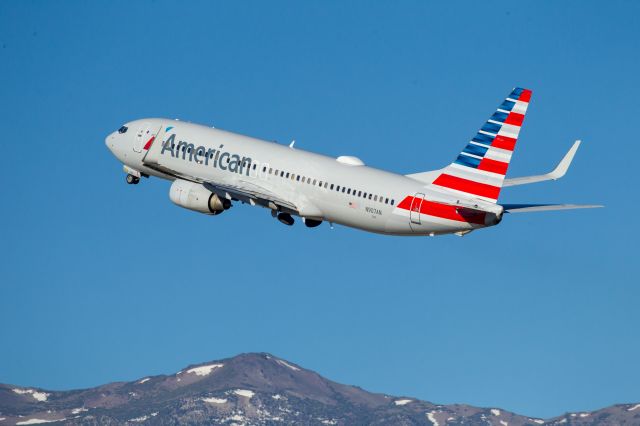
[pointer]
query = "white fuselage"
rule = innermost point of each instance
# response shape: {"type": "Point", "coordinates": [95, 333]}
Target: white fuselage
{"type": "Point", "coordinates": [369, 199]}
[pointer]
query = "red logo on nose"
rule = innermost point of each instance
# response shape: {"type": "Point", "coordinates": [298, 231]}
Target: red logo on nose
{"type": "Point", "coordinates": [148, 144]}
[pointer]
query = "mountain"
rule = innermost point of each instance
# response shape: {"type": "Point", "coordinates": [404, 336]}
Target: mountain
{"type": "Point", "coordinates": [259, 389]}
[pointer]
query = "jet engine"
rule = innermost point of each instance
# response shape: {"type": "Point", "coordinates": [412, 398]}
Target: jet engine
{"type": "Point", "coordinates": [194, 196]}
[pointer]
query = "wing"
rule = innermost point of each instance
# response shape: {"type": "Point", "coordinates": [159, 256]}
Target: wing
{"type": "Point", "coordinates": [527, 208]}
{"type": "Point", "coordinates": [556, 173]}
{"type": "Point", "coordinates": [253, 194]}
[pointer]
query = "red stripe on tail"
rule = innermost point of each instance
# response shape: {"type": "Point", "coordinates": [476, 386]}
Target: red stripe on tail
{"type": "Point", "coordinates": [525, 96]}
{"type": "Point", "coordinates": [504, 142]}
{"type": "Point", "coordinates": [514, 118]}
{"type": "Point", "coordinates": [469, 186]}
{"type": "Point", "coordinates": [493, 166]}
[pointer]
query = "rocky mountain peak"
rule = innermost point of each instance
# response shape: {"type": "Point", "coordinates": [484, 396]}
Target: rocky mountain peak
{"type": "Point", "coordinates": [258, 389]}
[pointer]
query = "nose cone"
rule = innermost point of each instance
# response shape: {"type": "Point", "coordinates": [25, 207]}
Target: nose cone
{"type": "Point", "coordinates": [110, 140]}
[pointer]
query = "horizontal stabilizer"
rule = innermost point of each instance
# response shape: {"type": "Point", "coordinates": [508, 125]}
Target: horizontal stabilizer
{"type": "Point", "coordinates": [527, 208]}
{"type": "Point", "coordinates": [557, 173]}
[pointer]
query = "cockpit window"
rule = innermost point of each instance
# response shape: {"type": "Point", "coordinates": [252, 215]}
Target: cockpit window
{"type": "Point", "coordinates": [123, 129]}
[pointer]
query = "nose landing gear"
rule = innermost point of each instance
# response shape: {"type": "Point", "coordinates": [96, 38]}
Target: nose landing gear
{"type": "Point", "coordinates": [132, 180]}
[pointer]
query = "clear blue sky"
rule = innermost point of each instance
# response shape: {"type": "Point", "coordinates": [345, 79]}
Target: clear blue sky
{"type": "Point", "coordinates": [101, 281]}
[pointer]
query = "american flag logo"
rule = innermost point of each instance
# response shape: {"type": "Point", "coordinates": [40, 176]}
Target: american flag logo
{"type": "Point", "coordinates": [352, 205]}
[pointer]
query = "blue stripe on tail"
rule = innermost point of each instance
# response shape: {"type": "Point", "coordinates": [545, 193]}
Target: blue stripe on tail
{"type": "Point", "coordinates": [465, 160]}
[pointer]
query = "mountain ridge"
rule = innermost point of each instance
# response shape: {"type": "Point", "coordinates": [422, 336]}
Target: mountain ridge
{"type": "Point", "coordinates": [260, 389]}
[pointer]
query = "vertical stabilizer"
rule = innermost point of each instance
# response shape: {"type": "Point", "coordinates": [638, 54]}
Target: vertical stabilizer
{"type": "Point", "coordinates": [480, 168]}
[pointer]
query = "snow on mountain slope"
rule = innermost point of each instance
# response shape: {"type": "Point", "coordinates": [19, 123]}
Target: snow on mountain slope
{"type": "Point", "coordinates": [259, 389]}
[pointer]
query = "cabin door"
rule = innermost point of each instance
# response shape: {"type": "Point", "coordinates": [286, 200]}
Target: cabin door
{"type": "Point", "coordinates": [416, 205]}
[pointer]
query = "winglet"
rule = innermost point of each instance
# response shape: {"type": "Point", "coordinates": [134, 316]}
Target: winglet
{"type": "Point", "coordinates": [563, 165]}
{"type": "Point", "coordinates": [557, 173]}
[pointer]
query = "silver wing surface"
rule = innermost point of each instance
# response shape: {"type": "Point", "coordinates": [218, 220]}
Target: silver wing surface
{"type": "Point", "coordinates": [253, 194]}
{"type": "Point", "coordinates": [527, 208]}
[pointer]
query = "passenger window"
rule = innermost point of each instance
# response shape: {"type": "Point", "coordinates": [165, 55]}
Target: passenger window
{"type": "Point", "coordinates": [349, 191]}
{"type": "Point", "coordinates": [386, 201]}
{"type": "Point", "coordinates": [343, 189]}
{"type": "Point", "coordinates": [331, 186]}
{"type": "Point", "coordinates": [270, 170]}
{"type": "Point", "coordinates": [298, 178]}
{"type": "Point", "coordinates": [326, 184]}
{"type": "Point", "coordinates": [287, 174]}
{"type": "Point", "coordinates": [364, 195]}
{"type": "Point", "coordinates": [393, 201]}
{"type": "Point", "coordinates": [369, 196]}
{"type": "Point", "coordinates": [338, 188]}
{"type": "Point", "coordinates": [375, 198]}
{"type": "Point", "coordinates": [314, 183]}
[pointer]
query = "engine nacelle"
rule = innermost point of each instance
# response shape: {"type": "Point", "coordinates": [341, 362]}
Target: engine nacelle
{"type": "Point", "coordinates": [194, 196]}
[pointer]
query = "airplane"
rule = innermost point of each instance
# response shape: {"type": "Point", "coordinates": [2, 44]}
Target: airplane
{"type": "Point", "coordinates": [210, 169]}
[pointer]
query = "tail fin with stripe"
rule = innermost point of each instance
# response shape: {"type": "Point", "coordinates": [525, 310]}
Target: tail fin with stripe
{"type": "Point", "coordinates": [479, 170]}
